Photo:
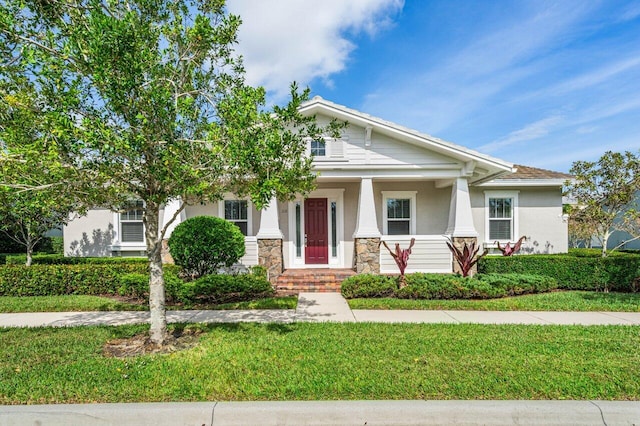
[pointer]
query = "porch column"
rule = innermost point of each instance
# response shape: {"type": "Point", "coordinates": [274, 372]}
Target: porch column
{"type": "Point", "coordinates": [170, 210]}
{"type": "Point", "coordinates": [367, 234]}
{"type": "Point", "coordinates": [461, 228]}
{"type": "Point", "coordinates": [270, 241]}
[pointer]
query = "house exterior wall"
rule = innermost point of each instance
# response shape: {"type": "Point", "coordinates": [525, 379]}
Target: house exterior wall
{"type": "Point", "coordinates": [383, 150]}
{"type": "Point", "coordinates": [90, 235]}
{"type": "Point", "coordinates": [540, 218]}
{"type": "Point", "coordinates": [432, 205]}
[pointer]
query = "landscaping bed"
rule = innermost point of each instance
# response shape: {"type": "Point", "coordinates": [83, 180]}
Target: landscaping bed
{"type": "Point", "coordinates": [580, 301]}
{"type": "Point", "coordinates": [305, 361]}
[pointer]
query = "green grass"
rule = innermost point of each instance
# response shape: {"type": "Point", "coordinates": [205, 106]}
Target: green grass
{"type": "Point", "coordinates": [75, 303]}
{"type": "Point", "coordinates": [305, 361]}
{"type": "Point", "coordinates": [64, 304]}
{"type": "Point", "coordinates": [554, 301]}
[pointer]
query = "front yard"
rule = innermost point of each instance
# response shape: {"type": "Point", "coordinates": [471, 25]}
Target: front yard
{"type": "Point", "coordinates": [326, 361]}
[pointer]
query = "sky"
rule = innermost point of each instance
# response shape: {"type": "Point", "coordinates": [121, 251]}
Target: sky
{"type": "Point", "coordinates": [539, 83]}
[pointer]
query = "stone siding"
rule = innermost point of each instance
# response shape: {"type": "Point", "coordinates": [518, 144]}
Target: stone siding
{"type": "Point", "coordinates": [367, 255]}
{"type": "Point", "coordinates": [459, 243]}
{"type": "Point", "coordinates": [270, 256]}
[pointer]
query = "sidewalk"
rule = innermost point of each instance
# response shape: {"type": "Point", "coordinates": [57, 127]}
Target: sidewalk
{"type": "Point", "coordinates": [329, 413]}
{"type": "Point", "coordinates": [322, 307]}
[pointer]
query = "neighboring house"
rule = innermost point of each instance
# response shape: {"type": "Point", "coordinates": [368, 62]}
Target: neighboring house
{"type": "Point", "coordinates": [379, 181]}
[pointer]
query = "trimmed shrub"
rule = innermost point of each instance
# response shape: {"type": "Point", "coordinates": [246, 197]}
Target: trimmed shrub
{"type": "Point", "coordinates": [52, 280]}
{"type": "Point", "coordinates": [96, 279]}
{"type": "Point", "coordinates": [578, 270]}
{"type": "Point", "coordinates": [225, 288]}
{"type": "Point", "coordinates": [204, 244]}
{"type": "Point", "coordinates": [134, 285]}
{"type": "Point", "coordinates": [59, 259]}
{"type": "Point", "coordinates": [368, 285]}
{"type": "Point", "coordinates": [447, 286]}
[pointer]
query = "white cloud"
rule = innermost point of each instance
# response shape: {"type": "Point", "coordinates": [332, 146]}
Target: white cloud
{"type": "Point", "coordinates": [293, 40]}
{"type": "Point", "coordinates": [529, 132]}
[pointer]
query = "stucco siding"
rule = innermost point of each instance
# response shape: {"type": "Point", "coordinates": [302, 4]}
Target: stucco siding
{"type": "Point", "coordinates": [540, 218]}
{"type": "Point", "coordinates": [90, 235]}
{"type": "Point", "coordinates": [432, 205]}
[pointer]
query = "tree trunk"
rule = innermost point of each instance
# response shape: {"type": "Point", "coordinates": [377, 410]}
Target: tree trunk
{"type": "Point", "coordinates": [158, 329]}
{"type": "Point", "coordinates": [605, 240]}
{"type": "Point", "coordinates": [30, 245]}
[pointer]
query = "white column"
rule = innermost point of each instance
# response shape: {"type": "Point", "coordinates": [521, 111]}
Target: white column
{"type": "Point", "coordinates": [169, 210]}
{"type": "Point", "coordinates": [460, 217]}
{"type": "Point", "coordinates": [269, 225]}
{"type": "Point", "coordinates": [367, 224]}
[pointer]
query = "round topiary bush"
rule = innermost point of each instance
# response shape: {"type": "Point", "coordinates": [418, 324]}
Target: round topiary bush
{"type": "Point", "coordinates": [201, 245]}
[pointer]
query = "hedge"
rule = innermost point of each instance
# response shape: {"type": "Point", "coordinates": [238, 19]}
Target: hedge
{"type": "Point", "coordinates": [225, 288]}
{"type": "Point", "coordinates": [52, 280]}
{"type": "Point", "coordinates": [447, 286]}
{"type": "Point", "coordinates": [59, 259]}
{"type": "Point", "coordinates": [573, 271]}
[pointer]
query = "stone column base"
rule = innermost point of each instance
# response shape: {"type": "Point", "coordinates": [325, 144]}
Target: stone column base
{"type": "Point", "coordinates": [270, 256]}
{"type": "Point", "coordinates": [367, 255]}
{"type": "Point", "coordinates": [459, 243]}
{"type": "Point", "coordinates": [166, 256]}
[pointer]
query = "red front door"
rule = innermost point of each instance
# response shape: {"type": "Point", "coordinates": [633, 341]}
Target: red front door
{"type": "Point", "coordinates": [316, 231]}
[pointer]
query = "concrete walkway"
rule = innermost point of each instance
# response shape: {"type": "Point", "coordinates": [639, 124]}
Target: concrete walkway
{"type": "Point", "coordinates": [322, 307]}
{"type": "Point", "coordinates": [329, 413]}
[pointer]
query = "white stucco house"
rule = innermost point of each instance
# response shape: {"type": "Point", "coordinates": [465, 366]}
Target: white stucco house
{"type": "Point", "coordinates": [378, 181]}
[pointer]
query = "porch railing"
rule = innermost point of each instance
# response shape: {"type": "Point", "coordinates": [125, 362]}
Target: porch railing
{"type": "Point", "coordinates": [429, 254]}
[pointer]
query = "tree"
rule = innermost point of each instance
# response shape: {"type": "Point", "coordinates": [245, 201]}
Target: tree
{"type": "Point", "coordinates": [26, 162]}
{"type": "Point", "coordinates": [605, 192]}
{"type": "Point", "coordinates": [150, 103]}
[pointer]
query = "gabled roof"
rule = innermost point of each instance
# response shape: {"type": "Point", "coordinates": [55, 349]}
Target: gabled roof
{"type": "Point", "coordinates": [487, 167]}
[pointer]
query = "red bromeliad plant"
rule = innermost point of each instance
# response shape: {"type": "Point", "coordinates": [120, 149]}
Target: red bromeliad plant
{"type": "Point", "coordinates": [508, 250]}
{"type": "Point", "coordinates": [467, 257]}
{"type": "Point", "coordinates": [401, 256]}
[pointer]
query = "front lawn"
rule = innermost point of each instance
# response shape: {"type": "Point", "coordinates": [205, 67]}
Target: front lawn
{"type": "Point", "coordinates": [306, 361]}
{"type": "Point", "coordinates": [77, 303]}
{"type": "Point", "coordinates": [554, 301]}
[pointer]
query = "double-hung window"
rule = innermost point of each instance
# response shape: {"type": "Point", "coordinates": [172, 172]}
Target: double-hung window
{"type": "Point", "coordinates": [501, 212]}
{"type": "Point", "coordinates": [399, 212]}
{"type": "Point", "coordinates": [318, 148]}
{"type": "Point", "coordinates": [236, 211]}
{"type": "Point", "coordinates": [131, 226]}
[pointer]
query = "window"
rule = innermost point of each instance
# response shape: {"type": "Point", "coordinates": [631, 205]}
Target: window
{"type": "Point", "coordinates": [399, 212]}
{"type": "Point", "coordinates": [501, 212]}
{"type": "Point", "coordinates": [131, 226]}
{"type": "Point", "coordinates": [318, 148]}
{"type": "Point", "coordinates": [236, 211]}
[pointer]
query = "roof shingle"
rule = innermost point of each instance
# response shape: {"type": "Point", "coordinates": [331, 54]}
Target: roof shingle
{"type": "Point", "coordinates": [526, 172]}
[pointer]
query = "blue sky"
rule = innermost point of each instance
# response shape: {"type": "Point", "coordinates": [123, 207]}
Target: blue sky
{"type": "Point", "coordinates": [541, 83]}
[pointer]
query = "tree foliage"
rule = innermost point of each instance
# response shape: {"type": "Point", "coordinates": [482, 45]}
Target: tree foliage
{"type": "Point", "coordinates": [606, 191]}
{"type": "Point", "coordinates": [146, 99]}
{"type": "Point", "coordinates": [28, 159]}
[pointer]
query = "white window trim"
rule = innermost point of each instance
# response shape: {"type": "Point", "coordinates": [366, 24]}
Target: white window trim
{"type": "Point", "coordinates": [501, 194]}
{"type": "Point", "coordinates": [332, 195]}
{"type": "Point", "coordinates": [411, 195]}
{"type": "Point", "coordinates": [232, 197]}
{"type": "Point", "coordinates": [118, 245]}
